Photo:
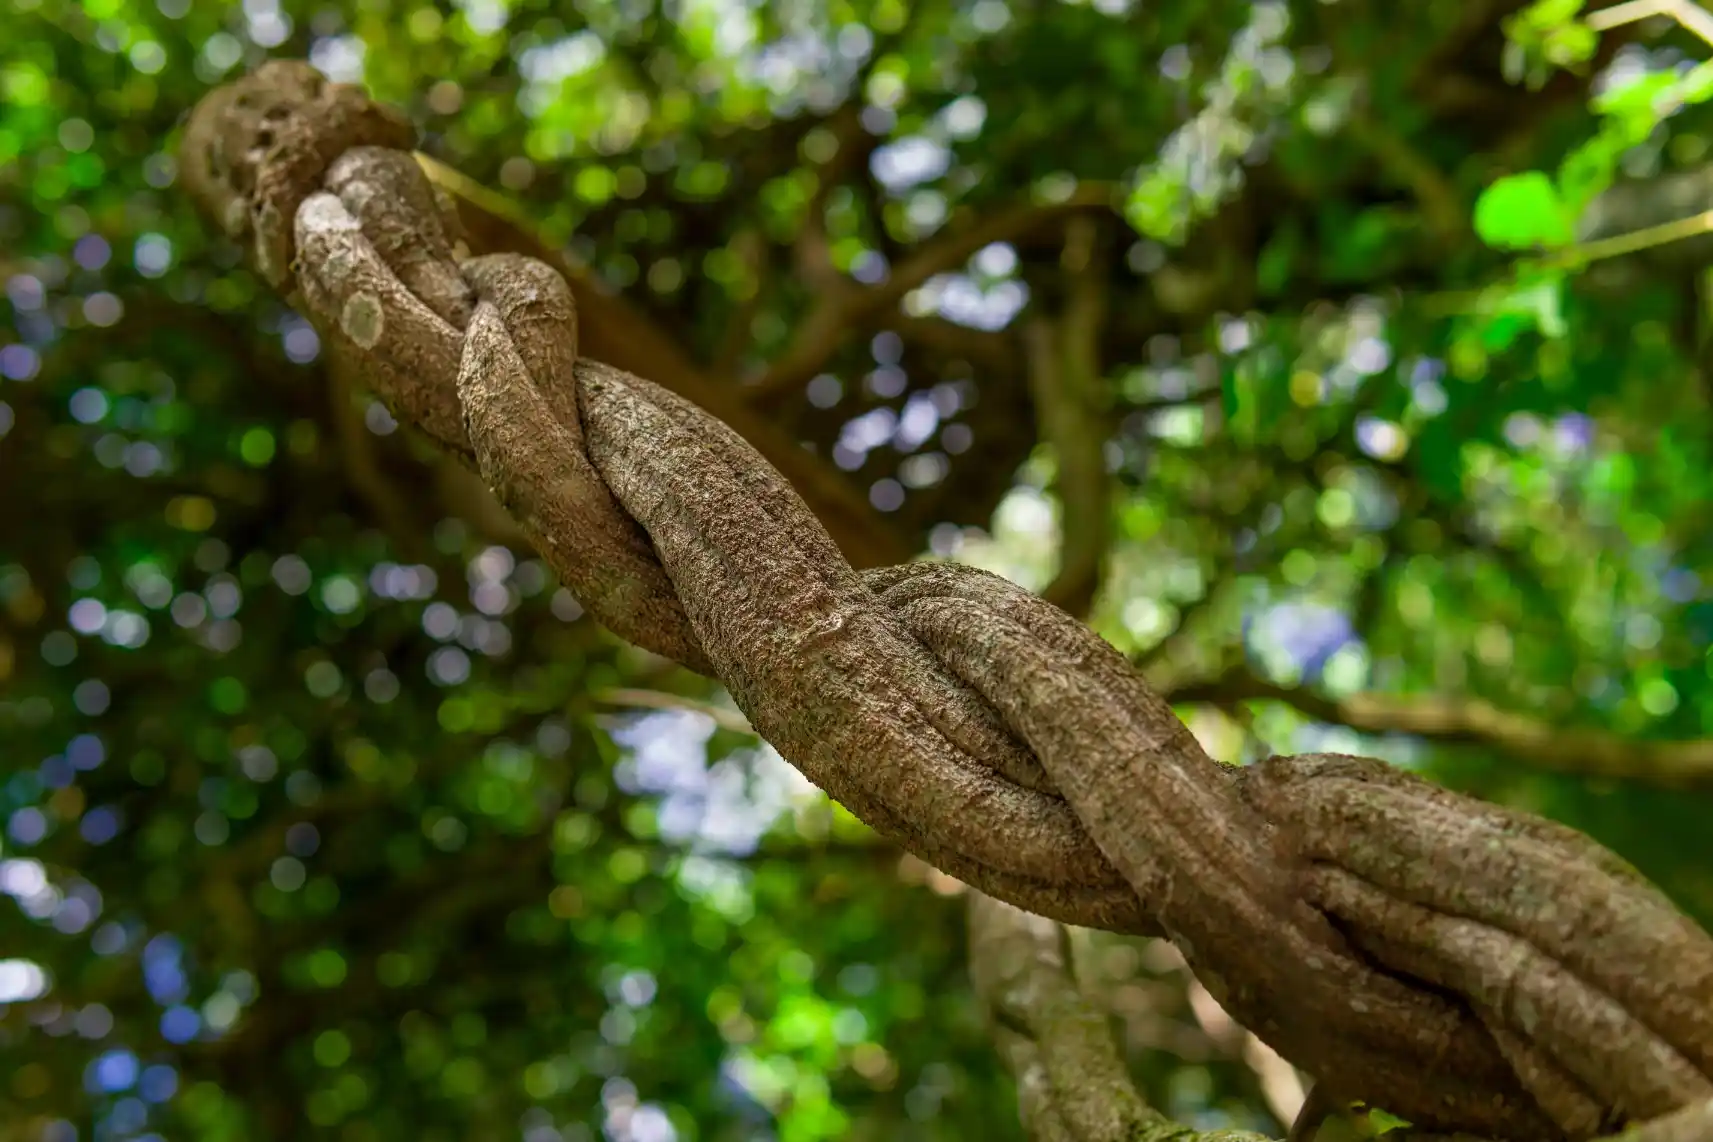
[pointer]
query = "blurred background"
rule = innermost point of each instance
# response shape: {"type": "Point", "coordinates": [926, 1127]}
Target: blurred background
{"type": "Point", "coordinates": [1344, 362]}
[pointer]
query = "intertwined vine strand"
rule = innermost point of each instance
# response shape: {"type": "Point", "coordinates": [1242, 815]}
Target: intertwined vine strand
{"type": "Point", "coordinates": [1462, 966]}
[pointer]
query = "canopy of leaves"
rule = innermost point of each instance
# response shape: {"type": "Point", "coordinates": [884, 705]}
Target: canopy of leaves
{"type": "Point", "coordinates": [323, 813]}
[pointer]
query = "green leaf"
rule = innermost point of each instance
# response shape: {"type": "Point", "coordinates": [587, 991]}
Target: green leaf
{"type": "Point", "coordinates": [1549, 15]}
{"type": "Point", "coordinates": [1697, 85]}
{"type": "Point", "coordinates": [1588, 170]}
{"type": "Point", "coordinates": [1640, 97]}
{"type": "Point", "coordinates": [1534, 301]}
{"type": "Point", "coordinates": [1521, 212]}
{"type": "Point", "coordinates": [1384, 1123]}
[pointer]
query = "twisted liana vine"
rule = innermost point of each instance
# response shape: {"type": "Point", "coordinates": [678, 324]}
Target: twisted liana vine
{"type": "Point", "coordinates": [1461, 965]}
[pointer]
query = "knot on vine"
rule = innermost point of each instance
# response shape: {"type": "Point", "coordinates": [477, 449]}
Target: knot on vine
{"type": "Point", "coordinates": [1459, 965]}
{"type": "Point", "coordinates": [257, 148]}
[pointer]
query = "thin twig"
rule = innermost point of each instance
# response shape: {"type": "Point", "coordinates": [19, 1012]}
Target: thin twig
{"type": "Point", "coordinates": [1581, 750]}
{"type": "Point", "coordinates": [1637, 240]}
{"type": "Point", "coordinates": [1692, 17]}
{"type": "Point", "coordinates": [725, 718]}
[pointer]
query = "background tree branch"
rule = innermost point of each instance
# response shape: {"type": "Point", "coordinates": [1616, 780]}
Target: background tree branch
{"type": "Point", "coordinates": [1464, 720]}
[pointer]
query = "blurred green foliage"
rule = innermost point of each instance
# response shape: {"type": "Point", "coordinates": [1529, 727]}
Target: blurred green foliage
{"type": "Point", "coordinates": [316, 820]}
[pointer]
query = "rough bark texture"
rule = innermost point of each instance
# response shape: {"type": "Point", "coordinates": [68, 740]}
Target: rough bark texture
{"type": "Point", "coordinates": [1462, 966]}
{"type": "Point", "coordinates": [243, 128]}
{"type": "Point", "coordinates": [1072, 1082]}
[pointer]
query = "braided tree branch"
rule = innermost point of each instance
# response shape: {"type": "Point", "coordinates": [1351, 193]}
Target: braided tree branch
{"type": "Point", "coordinates": [1462, 966]}
{"type": "Point", "coordinates": [621, 333]}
